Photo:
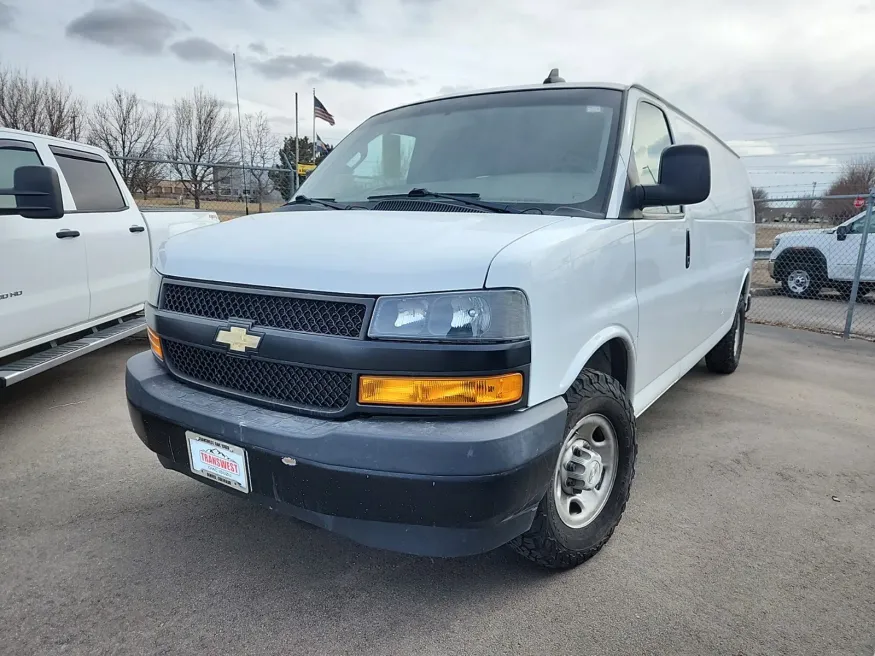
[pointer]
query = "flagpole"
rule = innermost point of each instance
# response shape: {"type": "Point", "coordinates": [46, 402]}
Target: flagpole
{"type": "Point", "coordinates": [240, 128]}
{"type": "Point", "coordinates": [314, 125]}
{"type": "Point", "coordinates": [297, 140]}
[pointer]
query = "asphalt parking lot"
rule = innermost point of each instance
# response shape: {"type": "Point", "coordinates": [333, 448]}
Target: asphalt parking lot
{"type": "Point", "coordinates": [751, 530]}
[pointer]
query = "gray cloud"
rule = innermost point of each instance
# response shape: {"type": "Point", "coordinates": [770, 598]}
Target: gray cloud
{"type": "Point", "coordinates": [197, 49]}
{"type": "Point", "coordinates": [322, 68]}
{"type": "Point", "coordinates": [7, 16]}
{"type": "Point", "coordinates": [360, 74]}
{"type": "Point", "coordinates": [259, 48]}
{"type": "Point", "coordinates": [453, 89]}
{"type": "Point", "coordinates": [804, 97]}
{"type": "Point", "coordinates": [133, 26]}
{"type": "Point", "coordinates": [268, 4]}
{"type": "Point", "coordinates": [290, 66]}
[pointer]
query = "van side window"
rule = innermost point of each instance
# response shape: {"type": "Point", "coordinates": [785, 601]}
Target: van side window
{"type": "Point", "coordinates": [91, 182]}
{"type": "Point", "coordinates": [651, 137]}
{"type": "Point", "coordinates": [14, 153]}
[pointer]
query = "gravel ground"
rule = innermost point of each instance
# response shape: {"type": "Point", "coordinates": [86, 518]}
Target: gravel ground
{"type": "Point", "coordinates": [751, 530]}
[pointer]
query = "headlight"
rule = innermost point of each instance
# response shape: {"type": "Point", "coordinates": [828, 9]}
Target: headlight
{"type": "Point", "coordinates": [482, 316]}
{"type": "Point", "coordinates": [154, 288]}
{"type": "Point", "coordinates": [777, 241]}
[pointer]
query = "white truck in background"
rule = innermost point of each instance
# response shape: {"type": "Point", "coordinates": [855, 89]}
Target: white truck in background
{"type": "Point", "coordinates": [75, 252]}
{"type": "Point", "coordinates": [806, 261]}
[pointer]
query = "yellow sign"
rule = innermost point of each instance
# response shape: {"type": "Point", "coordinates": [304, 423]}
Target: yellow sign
{"type": "Point", "coordinates": [304, 169]}
{"type": "Point", "coordinates": [238, 339]}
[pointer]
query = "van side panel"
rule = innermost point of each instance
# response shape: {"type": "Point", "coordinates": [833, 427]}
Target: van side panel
{"type": "Point", "coordinates": [722, 230]}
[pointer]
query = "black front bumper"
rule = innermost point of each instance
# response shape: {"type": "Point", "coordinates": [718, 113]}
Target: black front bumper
{"type": "Point", "coordinates": [425, 486]}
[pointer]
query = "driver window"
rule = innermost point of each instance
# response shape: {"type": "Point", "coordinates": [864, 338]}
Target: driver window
{"type": "Point", "coordinates": [12, 155]}
{"type": "Point", "coordinates": [650, 138]}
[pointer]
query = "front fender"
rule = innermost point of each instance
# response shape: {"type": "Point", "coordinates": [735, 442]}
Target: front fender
{"type": "Point", "coordinates": [589, 349]}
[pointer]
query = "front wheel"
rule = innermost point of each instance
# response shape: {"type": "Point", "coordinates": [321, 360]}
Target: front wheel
{"type": "Point", "coordinates": [592, 477]}
{"type": "Point", "coordinates": [801, 281]}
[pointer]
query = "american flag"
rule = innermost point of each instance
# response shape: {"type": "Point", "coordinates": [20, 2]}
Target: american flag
{"type": "Point", "coordinates": [320, 111]}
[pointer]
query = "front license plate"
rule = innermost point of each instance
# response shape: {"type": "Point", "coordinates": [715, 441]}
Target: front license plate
{"type": "Point", "coordinates": [218, 461]}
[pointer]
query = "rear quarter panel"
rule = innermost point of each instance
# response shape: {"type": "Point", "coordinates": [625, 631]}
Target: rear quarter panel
{"type": "Point", "coordinates": [579, 276]}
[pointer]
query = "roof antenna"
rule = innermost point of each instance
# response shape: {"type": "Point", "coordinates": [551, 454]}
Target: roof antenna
{"type": "Point", "coordinates": [554, 78]}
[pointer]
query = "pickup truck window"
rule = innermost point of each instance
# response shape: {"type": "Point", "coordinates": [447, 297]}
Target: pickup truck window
{"type": "Point", "coordinates": [12, 155]}
{"type": "Point", "coordinates": [541, 148]}
{"type": "Point", "coordinates": [90, 180]}
{"type": "Point", "coordinates": [859, 225]}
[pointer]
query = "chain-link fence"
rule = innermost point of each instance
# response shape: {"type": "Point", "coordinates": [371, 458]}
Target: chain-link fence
{"type": "Point", "coordinates": [230, 189]}
{"type": "Point", "coordinates": [815, 267]}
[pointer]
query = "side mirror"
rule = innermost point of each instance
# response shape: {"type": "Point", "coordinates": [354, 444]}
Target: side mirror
{"type": "Point", "coordinates": [37, 192]}
{"type": "Point", "coordinates": [684, 178]}
{"type": "Point", "coordinates": [842, 232]}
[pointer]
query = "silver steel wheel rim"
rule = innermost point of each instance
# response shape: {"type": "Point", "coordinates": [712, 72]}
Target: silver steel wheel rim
{"type": "Point", "coordinates": [798, 281]}
{"type": "Point", "coordinates": [586, 471]}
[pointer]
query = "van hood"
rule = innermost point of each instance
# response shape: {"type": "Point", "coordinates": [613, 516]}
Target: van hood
{"type": "Point", "coordinates": [349, 252]}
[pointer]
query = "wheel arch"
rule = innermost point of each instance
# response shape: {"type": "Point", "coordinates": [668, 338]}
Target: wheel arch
{"type": "Point", "coordinates": [611, 351]}
{"type": "Point", "coordinates": [799, 254]}
{"type": "Point", "coordinates": [744, 292]}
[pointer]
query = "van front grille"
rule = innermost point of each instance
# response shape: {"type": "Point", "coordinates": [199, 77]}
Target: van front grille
{"type": "Point", "coordinates": [301, 314]}
{"type": "Point", "coordinates": [289, 385]}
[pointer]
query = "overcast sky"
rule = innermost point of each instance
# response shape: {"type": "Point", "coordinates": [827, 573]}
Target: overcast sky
{"type": "Point", "coordinates": [770, 76]}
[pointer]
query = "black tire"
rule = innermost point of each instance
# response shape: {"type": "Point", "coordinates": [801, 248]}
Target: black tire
{"type": "Point", "coordinates": [550, 542]}
{"type": "Point", "coordinates": [726, 354]}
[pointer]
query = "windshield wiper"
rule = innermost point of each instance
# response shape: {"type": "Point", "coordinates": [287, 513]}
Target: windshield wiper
{"type": "Point", "coordinates": [326, 202]}
{"type": "Point", "coordinates": [466, 199]}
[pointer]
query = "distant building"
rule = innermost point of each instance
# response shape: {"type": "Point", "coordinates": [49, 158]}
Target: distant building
{"type": "Point", "coordinates": [230, 182]}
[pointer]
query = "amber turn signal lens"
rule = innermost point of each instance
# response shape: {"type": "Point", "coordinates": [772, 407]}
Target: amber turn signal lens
{"type": "Point", "coordinates": [155, 343]}
{"type": "Point", "coordinates": [437, 392]}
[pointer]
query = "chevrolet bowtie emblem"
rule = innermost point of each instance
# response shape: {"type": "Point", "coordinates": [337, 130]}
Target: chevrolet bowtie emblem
{"type": "Point", "coordinates": [238, 339]}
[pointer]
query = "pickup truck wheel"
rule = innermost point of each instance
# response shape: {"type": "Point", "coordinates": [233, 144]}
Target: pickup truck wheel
{"type": "Point", "coordinates": [801, 281]}
{"type": "Point", "coordinates": [592, 478]}
{"type": "Point", "coordinates": [726, 354]}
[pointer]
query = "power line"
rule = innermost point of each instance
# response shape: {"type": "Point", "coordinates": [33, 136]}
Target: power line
{"type": "Point", "coordinates": [809, 172]}
{"type": "Point", "coordinates": [802, 134]}
{"type": "Point", "coordinates": [800, 153]}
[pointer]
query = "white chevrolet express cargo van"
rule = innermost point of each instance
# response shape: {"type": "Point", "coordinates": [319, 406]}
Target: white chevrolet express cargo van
{"type": "Point", "coordinates": [442, 344]}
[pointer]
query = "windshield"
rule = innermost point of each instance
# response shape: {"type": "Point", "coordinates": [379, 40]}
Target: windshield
{"type": "Point", "coordinates": [535, 148]}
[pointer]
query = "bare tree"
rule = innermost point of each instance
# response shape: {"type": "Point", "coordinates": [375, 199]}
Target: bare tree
{"type": "Point", "coordinates": [40, 105]}
{"type": "Point", "coordinates": [260, 145]}
{"type": "Point", "coordinates": [856, 177]}
{"type": "Point", "coordinates": [130, 130]}
{"type": "Point", "coordinates": [201, 136]}
{"type": "Point", "coordinates": [761, 207]}
{"type": "Point", "coordinates": [806, 209]}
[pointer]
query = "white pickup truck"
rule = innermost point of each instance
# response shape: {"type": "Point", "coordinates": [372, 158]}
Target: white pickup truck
{"type": "Point", "coordinates": [805, 261]}
{"type": "Point", "coordinates": [75, 252]}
